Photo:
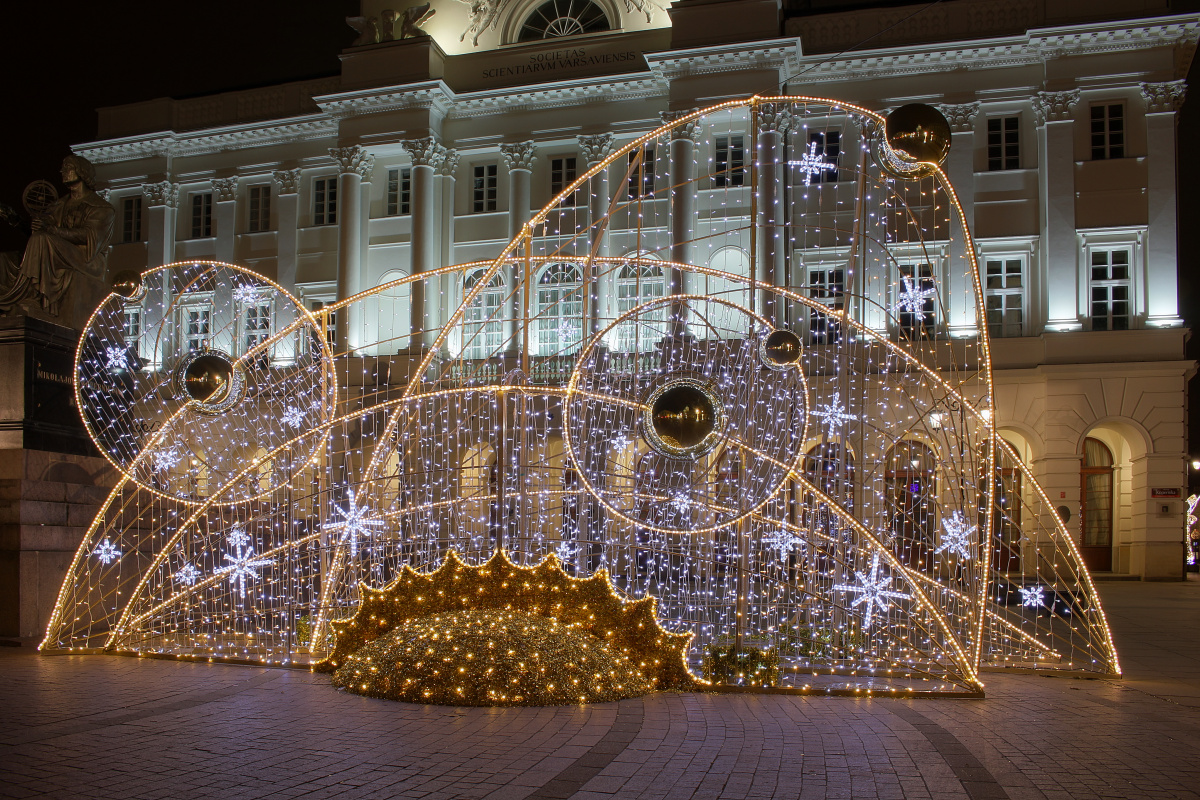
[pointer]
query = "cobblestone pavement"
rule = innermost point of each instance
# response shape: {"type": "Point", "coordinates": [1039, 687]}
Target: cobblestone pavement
{"type": "Point", "coordinates": [100, 727]}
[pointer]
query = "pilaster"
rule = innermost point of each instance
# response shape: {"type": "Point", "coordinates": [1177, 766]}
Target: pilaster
{"type": "Point", "coordinates": [287, 213]}
{"type": "Point", "coordinates": [960, 167]}
{"type": "Point", "coordinates": [354, 167]}
{"type": "Point", "coordinates": [225, 197]}
{"type": "Point", "coordinates": [774, 121]}
{"type": "Point", "coordinates": [595, 148]}
{"type": "Point", "coordinates": [428, 156]}
{"type": "Point", "coordinates": [161, 201]}
{"type": "Point", "coordinates": [1163, 101]}
{"type": "Point", "coordinates": [1054, 113]}
{"type": "Point", "coordinates": [681, 178]}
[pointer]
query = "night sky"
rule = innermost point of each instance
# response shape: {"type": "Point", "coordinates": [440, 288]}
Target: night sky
{"type": "Point", "coordinates": [59, 63]}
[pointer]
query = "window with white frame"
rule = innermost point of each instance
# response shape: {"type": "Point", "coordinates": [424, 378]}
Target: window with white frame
{"type": "Point", "coordinates": [331, 330]}
{"type": "Point", "coordinates": [325, 201]}
{"type": "Point", "coordinates": [641, 179]}
{"type": "Point", "coordinates": [132, 325]}
{"type": "Point", "coordinates": [828, 285]}
{"type": "Point", "coordinates": [195, 323]}
{"type": "Point", "coordinates": [260, 209]}
{"type": "Point", "coordinates": [829, 148]}
{"type": "Point", "coordinates": [131, 219]}
{"type": "Point", "coordinates": [562, 174]}
{"type": "Point", "coordinates": [254, 316]}
{"type": "Point", "coordinates": [399, 191]}
{"type": "Point", "coordinates": [637, 284]}
{"type": "Point", "coordinates": [483, 322]}
{"type": "Point", "coordinates": [201, 215]}
{"type": "Point", "coordinates": [1004, 295]}
{"type": "Point", "coordinates": [1004, 143]}
{"type": "Point", "coordinates": [730, 161]}
{"type": "Point", "coordinates": [484, 190]}
{"type": "Point", "coordinates": [559, 308]}
{"type": "Point", "coordinates": [1110, 291]}
{"type": "Point", "coordinates": [915, 301]}
{"type": "Point", "coordinates": [1108, 131]}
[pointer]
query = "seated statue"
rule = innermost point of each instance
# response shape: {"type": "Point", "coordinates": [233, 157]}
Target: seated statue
{"type": "Point", "coordinates": [68, 245]}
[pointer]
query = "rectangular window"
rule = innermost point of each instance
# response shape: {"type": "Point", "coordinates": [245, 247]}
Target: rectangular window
{"type": "Point", "coordinates": [202, 215]}
{"type": "Point", "coordinates": [829, 286]}
{"type": "Point", "coordinates": [641, 179]}
{"type": "Point", "coordinates": [399, 191]}
{"type": "Point", "coordinates": [1004, 291]}
{"type": "Point", "coordinates": [1108, 131]}
{"type": "Point", "coordinates": [730, 169]}
{"type": "Point", "coordinates": [1003, 143]}
{"type": "Point", "coordinates": [829, 148]}
{"type": "Point", "coordinates": [256, 323]}
{"type": "Point", "coordinates": [1110, 289]}
{"type": "Point", "coordinates": [197, 326]}
{"type": "Point", "coordinates": [133, 325]}
{"type": "Point", "coordinates": [483, 188]}
{"type": "Point", "coordinates": [915, 303]}
{"type": "Point", "coordinates": [131, 219]}
{"type": "Point", "coordinates": [325, 201]}
{"type": "Point", "coordinates": [260, 209]}
{"type": "Point", "coordinates": [562, 174]}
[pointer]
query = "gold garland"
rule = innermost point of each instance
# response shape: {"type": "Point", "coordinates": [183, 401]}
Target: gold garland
{"type": "Point", "coordinates": [588, 605]}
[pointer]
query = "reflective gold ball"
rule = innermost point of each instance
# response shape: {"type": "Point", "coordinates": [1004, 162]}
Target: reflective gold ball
{"type": "Point", "coordinates": [918, 133]}
{"type": "Point", "coordinates": [208, 378]}
{"type": "Point", "coordinates": [127, 283]}
{"type": "Point", "coordinates": [684, 419]}
{"type": "Point", "coordinates": [781, 348]}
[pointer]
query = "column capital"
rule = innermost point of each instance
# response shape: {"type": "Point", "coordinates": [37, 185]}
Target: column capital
{"type": "Point", "coordinates": [288, 180]}
{"type": "Point", "coordinates": [424, 152]}
{"type": "Point", "coordinates": [1164, 97]}
{"type": "Point", "coordinates": [595, 147]}
{"type": "Point", "coordinates": [353, 160]}
{"type": "Point", "coordinates": [775, 117]}
{"type": "Point", "coordinates": [519, 155]}
{"type": "Point", "coordinates": [1054, 106]}
{"type": "Point", "coordinates": [163, 193]}
{"type": "Point", "coordinates": [961, 116]}
{"type": "Point", "coordinates": [225, 189]}
{"type": "Point", "coordinates": [689, 130]}
{"type": "Point", "coordinates": [449, 163]}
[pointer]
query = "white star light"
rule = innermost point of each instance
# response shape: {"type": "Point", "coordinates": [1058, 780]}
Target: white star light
{"type": "Point", "coordinates": [957, 535]}
{"type": "Point", "coordinates": [187, 575]}
{"type": "Point", "coordinates": [681, 502]}
{"type": "Point", "coordinates": [242, 565]}
{"type": "Point", "coordinates": [165, 460]}
{"type": "Point", "coordinates": [911, 298]}
{"type": "Point", "coordinates": [1031, 596]}
{"type": "Point", "coordinates": [871, 590]}
{"type": "Point", "coordinates": [566, 552]}
{"type": "Point", "coordinates": [784, 542]}
{"type": "Point", "coordinates": [619, 442]}
{"type": "Point", "coordinates": [107, 552]}
{"type": "Point", "coordinates": [812, 163]}
{"type": "Point", "coordinates": [116, 359]}
{"type": "Point", "coordinates": [834, 414]}
{"type": "Point", "coordinates": [245, 294]}
{"type": "Point", "coordinates": [355, 522]}
{"type": "Point", "coordinates": [293, 417]}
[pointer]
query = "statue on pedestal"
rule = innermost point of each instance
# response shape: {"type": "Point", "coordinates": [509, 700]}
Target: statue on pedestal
{"type": "Point", "coordinates": [61, 275]}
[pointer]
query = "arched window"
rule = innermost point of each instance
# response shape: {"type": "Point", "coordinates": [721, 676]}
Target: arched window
{"type": "Point", "coordinates": [734, 289]}
{"type": "Point", "coordinates": [559, 309]}
{"type": "Point", "coordinates": [483, 324]}
{"type": "Point", "coordinates": [911, 492]}
{"type": "Point", "coordinates": [637, 284]}
{"type": "Point", "coordinates": [1006, 519]}
{"type": "Point", "coordinates": [1096, 510]}
{"type": "Point", "coordinates": [556, 18]}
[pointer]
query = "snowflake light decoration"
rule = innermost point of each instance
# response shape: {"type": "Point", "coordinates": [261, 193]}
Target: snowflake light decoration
{"type": "Point", "coordinates": [355, 522]}
{"type": "Point", "coordinates": [834, 414]}
{"type": "Point", "coordinates": [187, 574]}
{"type": "Point", "coordinates": [566, 552]}
{"type": "Point", "coordinates": [620, 442]}
{"type": "Point", "coordinates": [116, 359]}
{"type": "Point", "coordinates": [107, 552]}
{"type": "Point", "coordinates": [1032, 597]}
{"type": "Point", "coordinates": [242, 564]}
{"type": "Point", "coordinates": [812, 163]}
{"type": "Point", "coordinates": [245, 294]}
{"type": "Point", "coordinates": [166, 460]}
{"type": "Point", "coordinates": [912, 298]}
{"type": "Point", "coordinates": [784, 543]}
{"type": "Point", "coordinates": [871, 590]}
{"type": "Point", "coordinates": [681, 502]}
{"type": "Point", "coordinates": [292, 417]}
{"type": "Point", "coordinates": [958, 535]}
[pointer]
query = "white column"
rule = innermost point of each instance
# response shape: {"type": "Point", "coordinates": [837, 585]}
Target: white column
{"type": "Point", "coordinates": [1056, 198]}
{"type": "Point", "coordinates": [518, 158]}
{"type": "Point", "coordinates": [354, 166]}
{"type": "Point", "coordinates": [225, 197]}
{"type": "Point", "coordinates": [287, 215]}
{"type": "Point", "coordinates": [774, 121]}
{"type": "Point", "coordinates": [600, 282]}
{"type": "Point", "coordinates": [1163, 100]}
{"type": "Point", "coordinates": [449, 291]}
{"type": "Point", "coordinates": [682, 169]}
{"type": "Point", "coordinates": [161, 199]}
{"type": "Point", "coordinates": [958, 293]}
{"type": "Point", "coordinates": [427, 157]}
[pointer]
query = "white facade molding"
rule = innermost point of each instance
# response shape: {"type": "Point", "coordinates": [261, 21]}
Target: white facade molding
{"type": "Point", "coordinates": [163, 193]}
{"type": "Point", "coordinates": [449, 165]}
{"type": "Point", "coordinates": [782, 55]}
{"type": "Point", "coordinates": [217, 140]}
{"type": "Point", "coordinates": [353, 159]}
{"type": "Point", "coordinates": [425, 152]}
{"type": "Point", "coordinates": [519, 156]}
{"type": "Point", "coordinates": [433, 96]}
{"type": "Point", "coordinates": [287, 180]}
{"type": "Point", "coordinates": [224, 189]}
{"type": "Point", "coordinates": [961, 117]}
{"type": "Point", "coordinates": [775, 118]}
{"type": "Point", "coordinates": [688, 130]}
{"type": "Point", "coordinates": [1165, 97]}
{"type": "Point", "coordinates": [1054, 106]}
{"type": "Point", "coordinates": [595, 147]}
{"type": "Point", "coordinates": [557, 95]}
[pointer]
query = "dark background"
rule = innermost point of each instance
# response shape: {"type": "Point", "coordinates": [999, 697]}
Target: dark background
{"type": "Point", "coordinates": [59, 63]}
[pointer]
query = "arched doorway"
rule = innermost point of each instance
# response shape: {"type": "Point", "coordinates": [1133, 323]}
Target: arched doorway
{"type": "Point", "coordinates": [1096, 505]}
{"type": "Point", "coordinates": [911, 493]}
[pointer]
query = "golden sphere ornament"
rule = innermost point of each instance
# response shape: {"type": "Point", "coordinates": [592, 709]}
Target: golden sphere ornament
{"type": "Point", "coordinates": [683, 418]}
{"type": "Point", "coordinates": [780, 349]}
{"type": "Point", "coordinates": [208, 378]}
{"type": "Point", "coordinates": [918, 137]}
{"type": "Point", "coordinates": [128, 284]}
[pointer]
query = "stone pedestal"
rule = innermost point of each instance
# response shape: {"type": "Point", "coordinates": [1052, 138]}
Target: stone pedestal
{"type": "Point", "coordinates": [52, 480]}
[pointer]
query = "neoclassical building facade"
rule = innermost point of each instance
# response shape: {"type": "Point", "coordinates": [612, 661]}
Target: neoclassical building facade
{"type": "Point", "coordinates": [434, 151]}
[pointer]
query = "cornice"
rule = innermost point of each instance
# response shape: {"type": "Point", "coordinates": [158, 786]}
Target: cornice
{"type": "Point", "coordinates": [234, 137]}
{"type": "Point", "coordinates": [432, 95]}
{"type": "Point", "coordinates": [783, 54]}
{"type": "Point", "coordinates": [641, 86]}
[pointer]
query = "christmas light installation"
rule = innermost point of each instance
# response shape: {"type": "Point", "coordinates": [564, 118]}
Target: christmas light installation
{"type": "Point", "coordinates": [840, 486]}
